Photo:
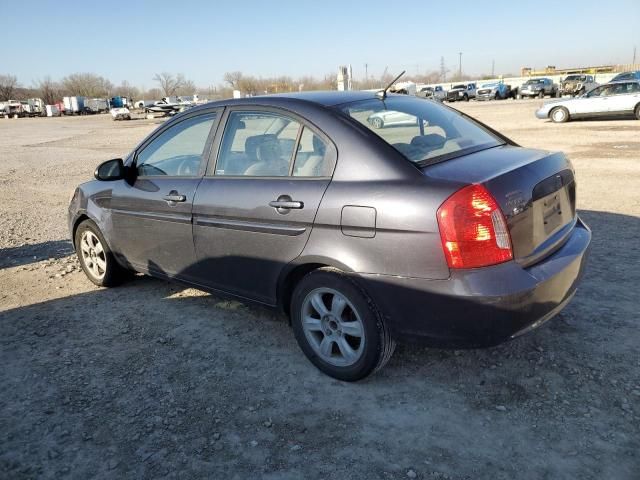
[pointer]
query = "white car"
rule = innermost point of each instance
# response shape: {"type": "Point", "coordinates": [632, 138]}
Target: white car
{"type": "Point", "coordinates": [387, 118]}
{"type": "Point", "coordinates": [612, 99]}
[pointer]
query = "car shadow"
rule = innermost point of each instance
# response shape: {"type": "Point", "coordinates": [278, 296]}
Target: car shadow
{"type": "Point", "coordinates": [124, 370]}
{"type": "Point", "coordinates": [612, 268]}
{"type": "Point", "coordinates": [34, 252]}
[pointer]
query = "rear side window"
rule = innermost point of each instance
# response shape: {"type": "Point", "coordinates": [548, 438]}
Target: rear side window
{"type": "Point", "coordinates": [257, 144]}
{"type": "Point", "coordinates": [312, 158]}
{"type": "Point", "coordinates": [178, 150]}
{"type": "Point", "coordinates": [424, 132]}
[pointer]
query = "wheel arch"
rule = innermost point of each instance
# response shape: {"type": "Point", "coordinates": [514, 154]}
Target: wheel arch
{"type": "Point", "coordinates": [76, 223]}
{"type": "Point", "coordinates": [290, 277]}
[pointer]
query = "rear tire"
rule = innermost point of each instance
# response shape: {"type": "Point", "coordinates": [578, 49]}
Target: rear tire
{"type": "Point", "coordinates": [559, 115]}
{"type": "Point", "coordinates": [95, 257]}
{"type": "Point", "coordinates": [541, 94]}
{"type": "Point", "coordinates": [338, 327]}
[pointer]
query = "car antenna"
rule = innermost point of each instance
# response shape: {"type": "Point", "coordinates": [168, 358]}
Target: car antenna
{"type": "Point", "coordinates": [383, 93]}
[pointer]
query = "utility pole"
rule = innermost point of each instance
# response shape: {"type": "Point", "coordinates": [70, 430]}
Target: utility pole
{"type": "Point", "coordinates": [634, 55]}
{"type": "Point", "coordinates": [443, 70]}
{"type": "Point", "coordinates": [493, 68]}
{"type": "Point", "coordinates": [459, 65]}
{"type": "Point", "coordinates": [366, 74]}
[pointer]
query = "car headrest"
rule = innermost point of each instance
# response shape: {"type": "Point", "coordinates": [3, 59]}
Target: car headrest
{"type": "Point", "coordinates": [432, 140]}
{"type": "Point", "coordinates": [269, 151]}
{"type": "Point", "coordinates": [318, 146]}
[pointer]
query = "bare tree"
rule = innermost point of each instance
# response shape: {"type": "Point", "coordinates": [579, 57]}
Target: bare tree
{"type": "Point", "coordinates": [8, 84]}
{"type": "Point", "coordinates": [125, 89]}
{"type": "Point", "coordinates": [233, 79]}
{"type": "Point", "coordinates": [187, 87]}
{"type": "Point", "coordinates": [170, 84]}
{"type": "Point", "coordinates": [87, 85]}
{"type": "Point", "coordinates": [48, 90]}
{"type": "Point", "coordinates": [153, 93]}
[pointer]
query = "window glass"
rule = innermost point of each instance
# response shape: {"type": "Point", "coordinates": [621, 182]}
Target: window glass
{"type": "Point", "coordinates": [624, 88]}
{"type": "Point", "coordinates": [257, 144]}
{"type": "Point", "coordinates": [178, 150]}
{"type": "Point", "coordinates": [312, 158]}
{"type": "Point", "coordinates": [421, 131]}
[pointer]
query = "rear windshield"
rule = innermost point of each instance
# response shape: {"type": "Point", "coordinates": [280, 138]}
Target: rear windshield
{"type": "Point", "coordinates": [423, 131]}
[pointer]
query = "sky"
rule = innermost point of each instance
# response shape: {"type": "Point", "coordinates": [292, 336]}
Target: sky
{"type": "Point", "coordinates": [132, 40]}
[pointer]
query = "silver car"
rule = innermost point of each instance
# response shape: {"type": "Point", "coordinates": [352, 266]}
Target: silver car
{"type": "Point", "coordinates": [612, 99]}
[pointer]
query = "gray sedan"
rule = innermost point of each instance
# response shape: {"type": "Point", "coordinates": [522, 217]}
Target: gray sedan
{"type": "Point", "coordinates": [613, 99]}
{"type": "Point", "coordinates": [440, 230]}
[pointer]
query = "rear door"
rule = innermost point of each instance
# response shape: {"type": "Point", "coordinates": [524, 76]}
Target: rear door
{"type": "Point", "coordinates": [254, 210]}
{"type": "Point", "coordinates": [624, 97]}
{"type": "Point", "coordinates": [151, 216]}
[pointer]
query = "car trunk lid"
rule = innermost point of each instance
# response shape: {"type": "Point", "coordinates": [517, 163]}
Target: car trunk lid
{"type": "Point", "coordinates": [534, 189]}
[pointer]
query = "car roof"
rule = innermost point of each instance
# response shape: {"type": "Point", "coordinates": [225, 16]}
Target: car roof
{"type": "Point", "coordinates": [320, 98]}
{"type": "Point", "coordinates": [628, 80]}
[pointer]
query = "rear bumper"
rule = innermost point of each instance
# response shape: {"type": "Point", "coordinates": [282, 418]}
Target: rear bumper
{"type": "Point", "coordinates": [481, 307]}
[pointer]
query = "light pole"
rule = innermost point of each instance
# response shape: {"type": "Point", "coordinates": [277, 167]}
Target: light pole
{"type": "Point", "coordinates": [459, 65]}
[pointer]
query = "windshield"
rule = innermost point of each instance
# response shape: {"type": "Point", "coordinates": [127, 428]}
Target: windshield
{"type": "Point", "coordinates": [489, 85]}
{"type": "Point", "coordinates": [533, 82]}
{"type": "Point", "coordinates": [424, 132]}
{"type": "Point", "coordinates": [580, 78]}
{"type": "Point", "coordinates": [460, 86]}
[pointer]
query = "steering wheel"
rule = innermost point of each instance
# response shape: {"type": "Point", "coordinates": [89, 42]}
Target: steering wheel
{"type": "Point", "coordinates": [188, 166]}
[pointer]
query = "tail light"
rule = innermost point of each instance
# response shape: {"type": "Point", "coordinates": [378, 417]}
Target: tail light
{"type": "Point", "coordinates": [473, 230]}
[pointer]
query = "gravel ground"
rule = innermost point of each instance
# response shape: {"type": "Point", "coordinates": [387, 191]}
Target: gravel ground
{"type": "Point", "coordinates": [151, 380]}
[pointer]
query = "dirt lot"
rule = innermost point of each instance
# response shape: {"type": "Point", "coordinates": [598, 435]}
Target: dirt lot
{"type": "Point", "coordinates": [150, 380]}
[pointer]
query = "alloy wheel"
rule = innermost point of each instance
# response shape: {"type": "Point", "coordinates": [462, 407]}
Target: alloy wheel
{"type": "Point", "coordinates": [333, 327]}
{"type": "Point", "coordinates": [93, 254]}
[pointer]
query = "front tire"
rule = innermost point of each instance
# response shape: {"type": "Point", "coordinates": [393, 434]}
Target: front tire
{"type": "Point", "coordinates": [559, 115]}
{"type": "Point", "coordinates": [541, 94]}
{"type": "Point", "coordinates": [637, 112]}
{"type": "Point", "coordinates": [338, 326]}
{"type": "Point", "coordinates": [96, 258]}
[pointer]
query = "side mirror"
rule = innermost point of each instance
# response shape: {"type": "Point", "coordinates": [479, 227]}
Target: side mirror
{"type": "Point", "coordinates": [110, 170]}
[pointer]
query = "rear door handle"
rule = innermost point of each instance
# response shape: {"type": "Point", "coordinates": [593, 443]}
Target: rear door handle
{"type": "Point", "coordinates": [174, 197]}
{"type": "Point", "coordinates": [286, 204]}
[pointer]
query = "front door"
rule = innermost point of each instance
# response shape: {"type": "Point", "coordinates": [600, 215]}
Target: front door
{"type": "Point", "coordinates": [151, 215]}
{"type": "Point", "coordinates": [596, 102]}
{"type": "Point", "coordinates": [254, 210]}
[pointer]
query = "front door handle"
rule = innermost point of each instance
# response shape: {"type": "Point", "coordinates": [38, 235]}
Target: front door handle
{"type": "Point", "coordinates": [175, 197]}
{"type": "Point", "coordinates": [286, 204]}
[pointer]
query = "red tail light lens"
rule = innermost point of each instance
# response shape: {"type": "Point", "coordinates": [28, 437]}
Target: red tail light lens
{"type": "Point", "coordinates": [473, 230]}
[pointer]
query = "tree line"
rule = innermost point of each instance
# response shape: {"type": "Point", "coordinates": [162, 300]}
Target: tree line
{"type": "Point", "coordinates": [170, 84]}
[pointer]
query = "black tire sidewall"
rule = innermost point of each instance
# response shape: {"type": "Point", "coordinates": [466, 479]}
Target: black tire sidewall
{"type": "Point", "coordinates": [366, 310]}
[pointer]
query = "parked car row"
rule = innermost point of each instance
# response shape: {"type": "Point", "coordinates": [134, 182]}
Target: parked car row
{"type": "Point", "coordinates": [573, 85]}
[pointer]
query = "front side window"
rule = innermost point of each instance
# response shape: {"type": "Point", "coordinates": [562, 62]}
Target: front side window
{"type": "Point", "coordinates": [178, 150]}
{"type": "Point", "coordinates": [596, 92]}
{"type": "Point", "coordinates": [257, 144]}
{"type": "Point", "coordinates": [423, 132]}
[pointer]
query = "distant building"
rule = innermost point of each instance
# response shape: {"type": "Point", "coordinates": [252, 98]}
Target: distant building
{"type": "Point", "coordinates": [552, 70]}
